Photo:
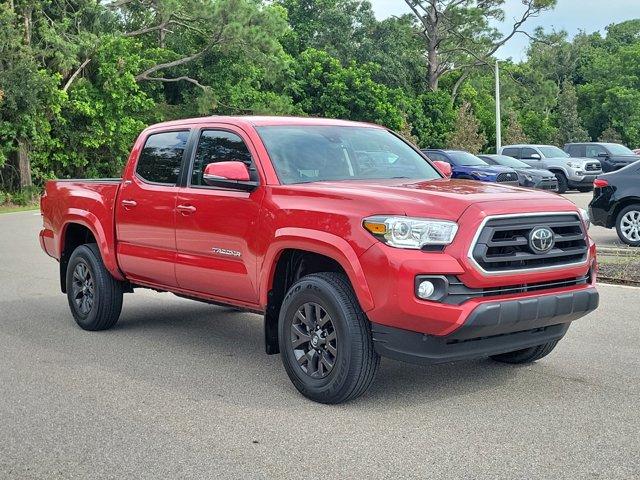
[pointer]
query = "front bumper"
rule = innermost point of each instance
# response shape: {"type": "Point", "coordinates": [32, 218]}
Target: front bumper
{"type": "Point", "coordinates": [491, 328]}
{"type": "Point", "coordinates": [583, 180]}
{"type": "Point", "coordinates": [550, 184]}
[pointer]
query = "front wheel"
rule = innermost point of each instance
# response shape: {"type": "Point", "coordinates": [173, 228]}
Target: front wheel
{"type": "Point", "coordinates": [526, 355]}
{"type": "Point", "coordinates": [563, 183]}
{"type": "Point", "coordinates": [325, 339]}
{"type": "Point", "coordinates": [95, 297]}
{"type": "Point", "coordinates": [628, 225]}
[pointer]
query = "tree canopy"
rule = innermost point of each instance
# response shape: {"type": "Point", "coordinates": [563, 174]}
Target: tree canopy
{"type": "Point", "coordinates": [80, 78]}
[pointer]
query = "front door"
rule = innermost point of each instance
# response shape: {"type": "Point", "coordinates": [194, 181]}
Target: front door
{"type": "Point", "coordinates": [216, 227]}
{"type": "Point", "coordinates": [145, 211]}
{"type": "Point", "coordinates": [526, 155]}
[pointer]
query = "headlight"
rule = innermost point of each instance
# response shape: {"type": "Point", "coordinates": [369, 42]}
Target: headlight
{"type": "Point", "coordinates": [407, 232]}
{"type": "Point", "coordinates": [480, 174]}
{"type": "Point", "coordinates": [574, 164]}
{"type": "Point", "coordinates": [585, 217]}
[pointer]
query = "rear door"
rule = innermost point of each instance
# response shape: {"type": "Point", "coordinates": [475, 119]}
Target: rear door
{"type": "Point", "coordinates": [145, 210]}
{"type": "Point", "coordinates": [216, 228]}
{"type": "Point", "coordinates": [511, 152]}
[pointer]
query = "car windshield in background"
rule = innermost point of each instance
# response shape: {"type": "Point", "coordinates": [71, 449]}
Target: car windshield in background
{"type": "Point", "coordinates": [553, 152]}
{"type": "Point", "coordinates": [303, 154]}
{"type": "Point", "coordinates": [617, 149]}
{"type": "Point", "coordinates": [466, 159]}
{"type": "Point", "coordinates": [509, 161]}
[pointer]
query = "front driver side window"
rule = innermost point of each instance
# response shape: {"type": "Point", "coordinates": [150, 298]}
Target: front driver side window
{"type": "Point", "coordinates": [594, 150]}
{"type": "Point", "coordinates": [219, 146]}
{"type": "Point", "coordinates": [527, 153]}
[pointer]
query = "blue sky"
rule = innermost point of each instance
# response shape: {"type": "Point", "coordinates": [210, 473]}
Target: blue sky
{"type": "Point", "coordinates": [569, 15]}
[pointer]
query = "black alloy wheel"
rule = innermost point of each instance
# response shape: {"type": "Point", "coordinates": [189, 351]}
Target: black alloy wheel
{"type": "Point", "coordinates": [314, 340]}
{"type": "Point", "coordinates": [83, 288]}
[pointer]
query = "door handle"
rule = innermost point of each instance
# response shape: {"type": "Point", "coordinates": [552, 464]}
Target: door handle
{"type": "Point", "coordinates": [186, 209]}
{"type": "Point", "coordinates": [129, 203]}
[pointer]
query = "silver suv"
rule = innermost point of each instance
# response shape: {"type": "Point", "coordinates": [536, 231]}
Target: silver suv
{"type": "Point", "coordinates": [571, 172]}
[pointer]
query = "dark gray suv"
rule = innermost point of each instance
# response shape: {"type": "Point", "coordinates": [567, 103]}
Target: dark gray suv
{"type": "Point", "coordinates": [612, 156]}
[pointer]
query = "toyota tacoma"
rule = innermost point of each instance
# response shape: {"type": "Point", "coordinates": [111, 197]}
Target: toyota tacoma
{"type": "Point", "coordinates": [347, 240]}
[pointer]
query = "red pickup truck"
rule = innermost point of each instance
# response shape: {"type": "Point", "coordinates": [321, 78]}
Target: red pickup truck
{"type": "Point", "coordinates": [350, 242]}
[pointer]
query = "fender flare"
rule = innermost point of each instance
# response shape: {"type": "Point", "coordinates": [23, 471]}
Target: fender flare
{"type": "Point", "coordinates": [319, 242]}
{"type": "Point", "coordinates": [91, 222]}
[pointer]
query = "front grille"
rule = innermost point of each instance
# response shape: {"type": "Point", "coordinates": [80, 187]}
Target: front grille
{"type": "Point", "coordinates": [503, 243]}
{"type": "Point", "coordinates": [458, 293]}
{"type": "Point", "coordinates": [592, 167]}
{"type": "Point", "coordinates": [507, 177]}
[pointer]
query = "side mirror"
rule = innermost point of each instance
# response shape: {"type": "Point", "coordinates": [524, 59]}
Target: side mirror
{"type": "Point", "coordinates": [443, 167]}
{"type": "Point", "coordinates": [535, 156]}
{"type": "Point", "coordinates": [603, 155]}
{"type": "Point", "coordinates": [233, 174]}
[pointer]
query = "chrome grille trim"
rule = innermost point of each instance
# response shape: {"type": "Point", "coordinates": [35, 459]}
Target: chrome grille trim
{"type": "Point", "coordinates": [480, 229]}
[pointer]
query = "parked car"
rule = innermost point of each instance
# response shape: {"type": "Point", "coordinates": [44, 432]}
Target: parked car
{"type": "Point", "coordinates": [527, 175]}
{"type": "Point", "coordinates": [466, 166]}
{"type": "Point", "coordinates": [347, 240]}
{"type": "Point", "coordinates": [612, 156]}
{"type": "Point", "coordinates": [616, 203]}
{"type": "Point", "coordinates": [572, 173]}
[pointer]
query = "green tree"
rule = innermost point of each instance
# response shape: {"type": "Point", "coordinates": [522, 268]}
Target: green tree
{"type": "Point", "coordinates": [459, 35]}
{"type": "Point", "coordinates": [570, 127]}
{"type": "Point", "coordinates": [513, 133]}
{"type": "Point", "coordinates": [323, 87]}
{"type": "Point", "coordinates": [466, 134]}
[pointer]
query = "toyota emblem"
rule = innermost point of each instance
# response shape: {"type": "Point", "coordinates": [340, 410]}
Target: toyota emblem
{"type": "Point", "coordinates": [541, 240]}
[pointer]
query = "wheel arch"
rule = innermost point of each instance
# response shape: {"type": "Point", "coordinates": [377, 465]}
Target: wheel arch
{"type": "Point", "coordinates": [82, 227]}
{"type": "Point", "coordinates": [622, 204]}
{"type": "Point", "coordinates": [294, 254]}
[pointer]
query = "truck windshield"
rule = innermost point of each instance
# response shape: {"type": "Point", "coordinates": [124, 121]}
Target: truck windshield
{"type": "Point", "coordinates": [303, 154]}
{"type": "Point", "coordinates": [553, 152]}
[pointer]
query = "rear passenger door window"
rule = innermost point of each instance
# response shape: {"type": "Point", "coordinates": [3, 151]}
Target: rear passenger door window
{"type": "Point", "coordinates": [219, 146]}
{"type": "Point", "coordinates": [160, 160]}
{"type": "Point", "coordinates": [435, 156]}
{"type": "Point", "coordinates": [511, 152]}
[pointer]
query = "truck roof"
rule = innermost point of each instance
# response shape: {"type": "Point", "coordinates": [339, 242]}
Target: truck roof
{"type": "Point", "coordinates": [259, 121]}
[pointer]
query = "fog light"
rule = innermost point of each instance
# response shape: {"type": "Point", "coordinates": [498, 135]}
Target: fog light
{"type": "Point", "coordinates": [426, 289]}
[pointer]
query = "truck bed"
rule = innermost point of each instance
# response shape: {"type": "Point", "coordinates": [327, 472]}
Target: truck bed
{"type": "Point", "coordinates": [88, 202]}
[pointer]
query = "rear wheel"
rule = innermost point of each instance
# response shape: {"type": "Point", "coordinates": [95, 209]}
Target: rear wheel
{"type": "Point", "coordinates": [325, 339]}
{"type": "Point", "coordinates": [526, 355]}
{"type": "Point", "coordinates": [95, 297]}
{"type": "Point", "coordinates": [628, 225]}
{"type": "Point", "coordinates": [563, 183]}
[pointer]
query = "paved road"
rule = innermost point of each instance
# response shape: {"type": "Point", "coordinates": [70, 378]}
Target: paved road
{"type": "Point", "coordinates": [183, 390]}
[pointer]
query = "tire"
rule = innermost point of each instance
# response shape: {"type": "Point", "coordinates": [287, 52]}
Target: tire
{"type": "Point", "coordinates": [628, 225]}
{"type": "Point", "coordinates": [95, 297]}
{"type": "Point", "coordinates": [346, 363]}
{"type": "Point", "coordinates": [526, 355]}
{"type": "Point", "coordinates": [584, 189]}
{"type": "Point", "coordinates": [563, 183]}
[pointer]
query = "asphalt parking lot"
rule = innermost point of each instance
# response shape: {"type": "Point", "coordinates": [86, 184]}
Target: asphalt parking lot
{"type": "Point", "coordinates": [180, 389]}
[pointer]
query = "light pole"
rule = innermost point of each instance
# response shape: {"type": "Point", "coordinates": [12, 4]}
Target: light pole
{"type": "Point", "coordinates": [498, 118]}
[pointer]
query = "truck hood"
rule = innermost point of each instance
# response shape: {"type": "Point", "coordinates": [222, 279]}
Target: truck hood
{"type": "Point", "coordinates": [442, 198]}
